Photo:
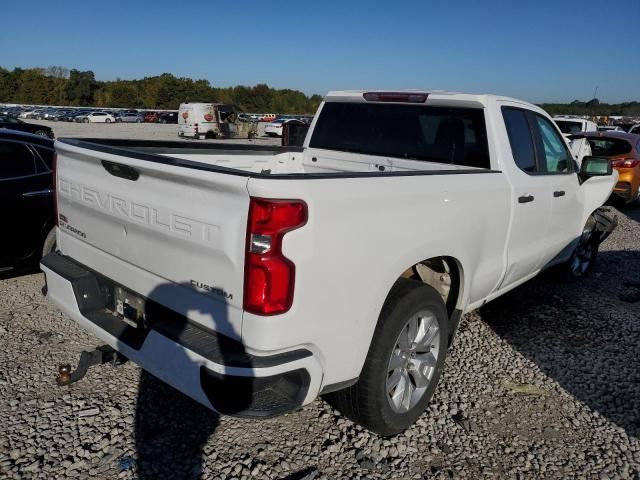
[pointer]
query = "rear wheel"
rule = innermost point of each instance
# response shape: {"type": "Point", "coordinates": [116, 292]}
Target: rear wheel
{"type": "Point", "coordinates": [108, 120]}
{"type": "Point", "coordinates": [404, 363]}
{"type": "Point", "coordinates": [86, 120]}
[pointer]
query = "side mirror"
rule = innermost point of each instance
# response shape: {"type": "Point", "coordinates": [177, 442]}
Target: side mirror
{"type": "Point", "coordinates": [595, 167]}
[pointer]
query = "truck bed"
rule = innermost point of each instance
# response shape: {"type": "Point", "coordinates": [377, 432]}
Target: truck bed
{"type": "Point", "coordinates": [265, 161]}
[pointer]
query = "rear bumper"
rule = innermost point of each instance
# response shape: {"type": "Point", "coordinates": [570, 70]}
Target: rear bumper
{"type": "Point", "coordinates": [211, 368]}
{"type": "Point", "coordinates": [627, 185]}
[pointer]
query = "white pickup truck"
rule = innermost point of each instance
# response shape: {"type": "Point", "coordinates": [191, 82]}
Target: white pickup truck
{"type": "Point", "coordinates": [255, 279]}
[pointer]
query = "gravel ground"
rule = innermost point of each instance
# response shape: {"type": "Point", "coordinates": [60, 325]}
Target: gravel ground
{"type": "Point", "coordinates": [541, 383]}
{"type": "Point", "coordinates": [146, 131]}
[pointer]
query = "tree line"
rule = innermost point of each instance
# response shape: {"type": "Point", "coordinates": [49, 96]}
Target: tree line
{"type": "Point", "coordinates": [61, 86]}
{"type": "Point", "coordinates": [593, 108]}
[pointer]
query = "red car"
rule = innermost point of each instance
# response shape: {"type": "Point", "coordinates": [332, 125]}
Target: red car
{"type": "Point", "coordinates": [151, 117]}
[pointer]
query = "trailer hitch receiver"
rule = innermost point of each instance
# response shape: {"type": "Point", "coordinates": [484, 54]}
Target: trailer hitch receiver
{"type": "Point", "coordinates": [102, 354]}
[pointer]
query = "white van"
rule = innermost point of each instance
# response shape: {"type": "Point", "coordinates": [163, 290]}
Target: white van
{"type": "Point", "coordinates": [572, 125]}
{"type": "Point", "coordinates": [207, 120]}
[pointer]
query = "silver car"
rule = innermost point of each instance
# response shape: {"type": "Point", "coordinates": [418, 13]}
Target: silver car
{"type": "Point", "coordinates": [130, 117]}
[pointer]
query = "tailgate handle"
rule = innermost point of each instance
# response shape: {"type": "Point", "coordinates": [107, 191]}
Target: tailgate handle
{"type": "Point", "coordinates": [121, 170]}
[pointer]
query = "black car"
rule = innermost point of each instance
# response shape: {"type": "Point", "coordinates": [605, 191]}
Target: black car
{"type": "Point", "coordinates": [17, 124]}
{"type": "Point", "coordinates": [167, 117]}
{"type": "Point", "coordinates": [26, 196]}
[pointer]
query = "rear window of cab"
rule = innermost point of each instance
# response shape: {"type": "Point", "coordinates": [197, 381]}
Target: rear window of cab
{"type": "Point", "coordinates": [456, 136]}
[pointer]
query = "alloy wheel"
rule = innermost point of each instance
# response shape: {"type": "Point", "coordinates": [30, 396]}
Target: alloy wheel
{"type": "Point", "coordinates": [413, 361]}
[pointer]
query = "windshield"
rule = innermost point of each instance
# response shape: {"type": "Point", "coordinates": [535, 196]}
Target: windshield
{"type": "Point", "coordinates": [568, 126]}
{"type": "Point", "coordinates": [609, 147]}
{"type": "Point", "coordinates": [437, 134]}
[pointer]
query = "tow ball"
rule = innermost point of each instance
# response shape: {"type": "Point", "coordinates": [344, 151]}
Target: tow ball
{"type": "Point", "coordinates": [102, 354]}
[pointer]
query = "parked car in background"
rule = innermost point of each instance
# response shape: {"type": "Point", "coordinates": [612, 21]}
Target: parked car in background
{"type": "Point", "coordinates": [26, 196]}
{"type": "Point", "coordinates": [57, 115]}
{"type": "Point", "coordinates": [127, 117]}
{"type": "Point", "coordinates": [168, 117]}
{"type": "Point", "coordinates": [623, 149]}
{"type": "Point", "coordinates": [151, 117]}
{"type": "Point", "coordinates": [572, 125]}
{"type": "Point", "coordinates": [274, 129]}
{"type": "Point", "coordinates": [17, 124]}
{"type": "Point", "coordinates": [609, 128]}
{"type": "Point", "coordinates": [98, 117]}
{"type": "Point", "coordinates": [11, 111]}
{"type": "Point", "coordinates": [81, 115]}
{"type": "Point", "coordinates": [635, 129]}
{"type": "Point", "coordinates": [34, 113]}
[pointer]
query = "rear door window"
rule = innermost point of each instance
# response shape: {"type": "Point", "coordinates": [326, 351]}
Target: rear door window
{"type": "Point", "coordinates": [16, 160]}
{"type": "Point", "coordinates": [417, 132]}
{"type": "Point", "coordinates": [520, 139]}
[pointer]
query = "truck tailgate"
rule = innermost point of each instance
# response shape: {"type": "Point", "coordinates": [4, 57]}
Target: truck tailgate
{"type": "Point", "coordinates": [172, 226]}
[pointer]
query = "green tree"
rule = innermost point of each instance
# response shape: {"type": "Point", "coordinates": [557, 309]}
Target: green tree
{"type": "Point", "coordinates": [81, 87]}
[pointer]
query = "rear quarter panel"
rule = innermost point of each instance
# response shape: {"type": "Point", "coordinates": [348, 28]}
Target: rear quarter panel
{"type": "Point", "coordinates": [362, 234]}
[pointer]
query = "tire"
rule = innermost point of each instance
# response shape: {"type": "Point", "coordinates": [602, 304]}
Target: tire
{"type": "Point", "coordinates": [107, 120]}
{"type": "Point", "coordinates": [583, 258]}
{"type": "Point", "coordinates": [42, 133]}
{"type": "Point", "coordinates": [377, 401]}
{"type": "Point", "coordinates": [85, 120]}
{"type": "Point", "coordinates": [49, 242]}
{"type": "Point", "coordinates": [635, 202]}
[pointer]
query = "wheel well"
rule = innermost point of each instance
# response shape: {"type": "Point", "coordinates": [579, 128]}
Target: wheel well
{"type": "Point", "coordinates": [444, 274]}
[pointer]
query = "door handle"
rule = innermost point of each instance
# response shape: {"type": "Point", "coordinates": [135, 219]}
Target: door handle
{"type": "Point", "coordinates": [38, 193]}
{"type": "Point", "coordinates": [558, 193]}
{"type": "Point", "coordinates": [525, 199]}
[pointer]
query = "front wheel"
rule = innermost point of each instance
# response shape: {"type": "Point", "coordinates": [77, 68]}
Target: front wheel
{"type": "Point", "coordinates": [42, 133]}
{"type": "Point", "coordinates": [404, 363]}
{"type": "Point", "coordinates": [583, 258]}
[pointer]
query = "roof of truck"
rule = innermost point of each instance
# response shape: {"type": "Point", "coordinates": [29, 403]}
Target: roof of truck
{"type": "Point", "coordinates": [432, 96]}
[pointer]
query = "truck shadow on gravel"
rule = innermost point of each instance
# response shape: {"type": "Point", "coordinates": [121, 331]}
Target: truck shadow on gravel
{"type": "Point", "coordinates": [171, 429]}
{"type": "Point", "coordinates": [584, 335]}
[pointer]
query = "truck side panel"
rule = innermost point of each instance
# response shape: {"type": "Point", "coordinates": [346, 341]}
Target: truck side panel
{"type": "Point", "coordinates": [362, 234]}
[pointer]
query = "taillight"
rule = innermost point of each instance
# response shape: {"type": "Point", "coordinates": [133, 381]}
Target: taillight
{"type": "Point", "coordinates": [625, 163]}
{"type": "Point", "coordinates": [269, 276]}
{"type": "Point", "coordinates": [54, 167]}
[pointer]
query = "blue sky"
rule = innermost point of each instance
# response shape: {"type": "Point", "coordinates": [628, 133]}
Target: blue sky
{"type": "Point", "coordinates": [539, 50]}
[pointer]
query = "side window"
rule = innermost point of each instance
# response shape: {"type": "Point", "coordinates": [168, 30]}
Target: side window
{"type": "Point", "coordinates": [520, 139]}
{"type": "Point", "coordinates": [552, 149]}
{"type": "Point", "coordinates": [16, 160]}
